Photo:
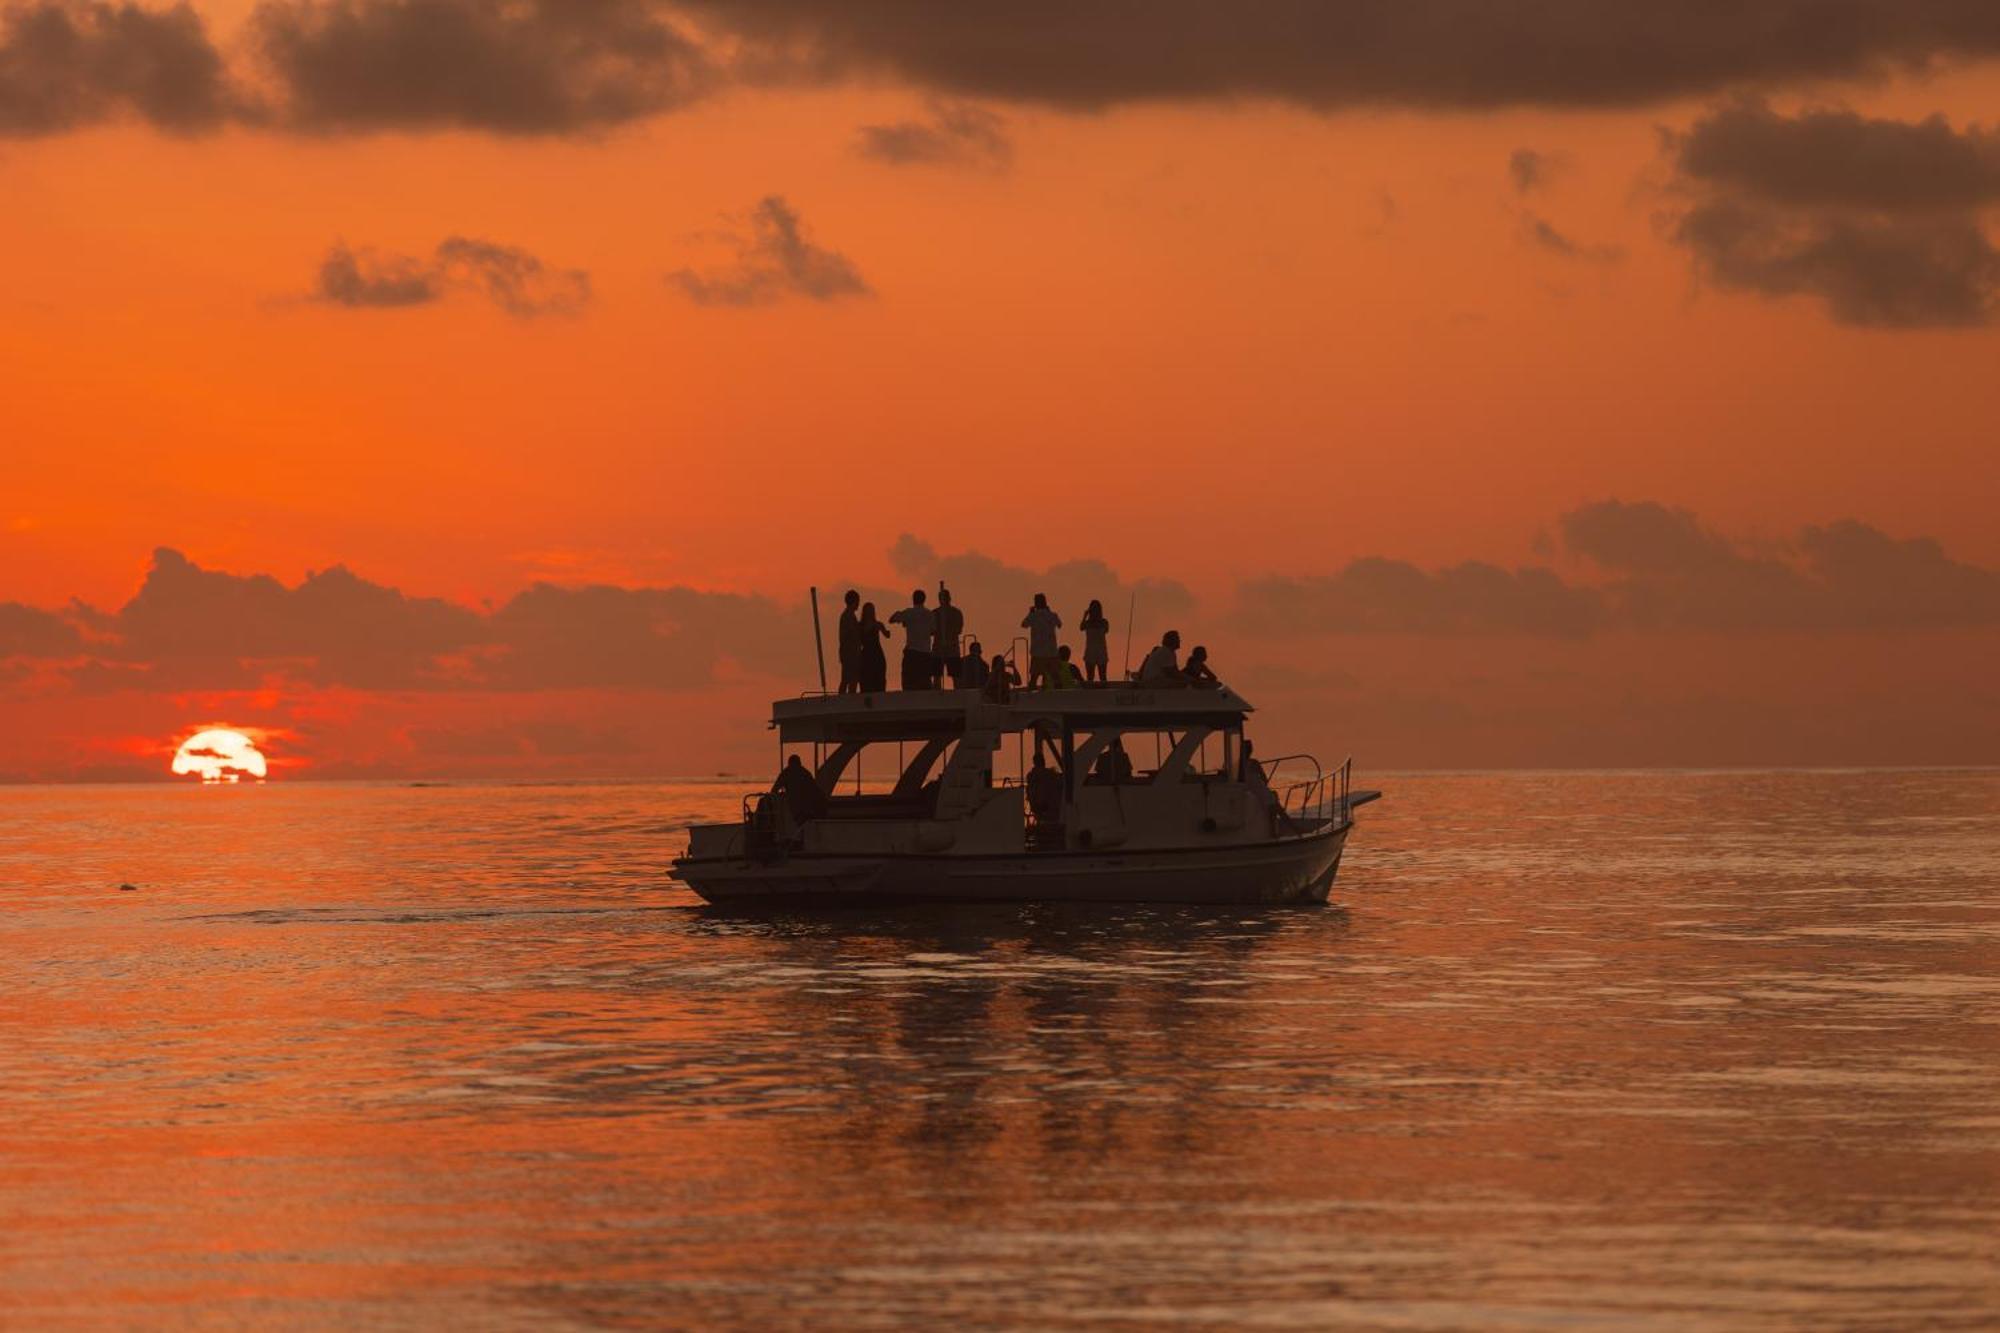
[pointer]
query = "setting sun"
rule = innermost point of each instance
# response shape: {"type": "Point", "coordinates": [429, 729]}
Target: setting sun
{"type": "Point", "coordinates": [220, 756]}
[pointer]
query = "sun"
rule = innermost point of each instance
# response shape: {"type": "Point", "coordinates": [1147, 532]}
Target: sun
{"type": "Point", "coordinates": [220, 755]}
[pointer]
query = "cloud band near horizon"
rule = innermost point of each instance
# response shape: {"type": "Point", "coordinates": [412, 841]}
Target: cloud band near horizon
{"type": "Point", "coordinates": [1638, 568]}
{"type": "Point", "coordinates": [546, 67]}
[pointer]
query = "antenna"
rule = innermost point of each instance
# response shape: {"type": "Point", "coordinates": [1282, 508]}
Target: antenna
{"type": "Point", "coordinates": [1131, 610]}
{"type": "Point", "coordinates": [819, 644]}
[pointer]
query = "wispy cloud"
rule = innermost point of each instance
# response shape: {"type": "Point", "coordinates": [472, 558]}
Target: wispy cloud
{"type": "Point", "coordinates": [774, 260]}
{"type": "Point", "coordinates": [510, 277]}
{"type": "Point", "coordinates": [949, 134]}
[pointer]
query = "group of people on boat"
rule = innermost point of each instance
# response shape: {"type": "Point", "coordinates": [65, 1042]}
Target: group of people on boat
{"type": "Point", "coordinates": [936, 650]}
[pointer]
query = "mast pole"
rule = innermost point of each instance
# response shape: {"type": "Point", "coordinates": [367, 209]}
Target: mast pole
{"type": "Point", "coordinates": [819, 644]}
{"type": "Point", "coordinates": [1131, 609]}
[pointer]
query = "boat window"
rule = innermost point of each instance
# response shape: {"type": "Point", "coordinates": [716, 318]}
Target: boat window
{"type": "Point", "coordinates": [875, 768]}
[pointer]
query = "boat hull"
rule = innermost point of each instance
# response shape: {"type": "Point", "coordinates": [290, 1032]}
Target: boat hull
{"type": "Point", "coordinates": [1293, 871]}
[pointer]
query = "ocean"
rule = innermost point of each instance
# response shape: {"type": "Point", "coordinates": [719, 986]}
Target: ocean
{"type": "Point", "coordinates": [1569, 1050]}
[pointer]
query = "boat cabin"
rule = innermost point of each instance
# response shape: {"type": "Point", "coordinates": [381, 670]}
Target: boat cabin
{"type": "Point", "coordinates": [1051, 770]}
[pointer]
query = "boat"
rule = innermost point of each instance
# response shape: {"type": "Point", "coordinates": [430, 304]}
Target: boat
{"type": "Point", "coordinates": [1080, 821]}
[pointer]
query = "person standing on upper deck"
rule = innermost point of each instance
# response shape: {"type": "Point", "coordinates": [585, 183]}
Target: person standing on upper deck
{"type": "Point", "coordinates": [871, 666]}
{"type": "Point", "coordinates": [950, 627]}
{"type": "Point", "coordinates": [850, 644]}
{"type": "Point", "coordinates": [1096, 644]}
{"type": "Point", "coordinates": [919, 624]}
{"type": "Point", "coordinates": [1041, 622]}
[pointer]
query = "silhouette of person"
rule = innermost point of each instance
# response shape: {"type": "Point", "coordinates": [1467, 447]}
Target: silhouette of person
{"type": "Point", "coordinates": [1044, 790]}
{"type": "Point", "coordinates": [1199, 674]}
{"type": "Point", "coordinates": [973, 671]}
{"type": "Point", "coordinates": [1162, 667]}
{"type": "Point", "coordinates": [1096, 644]}
{"type": "Point", "coordinates": [1001, 680]}
{"type": "Point", "coordinates": [800, 790]}
{"type": "Point", "coordinates": [918, 622]}
{"type": "Point", "coordinates": [1041, 622]}
{"type": "Point", "coordinates": [1113, 764]}
{"type": "Point", "coordinates": [1253, 771]}
{"type": "Point", "coordinates": [1064, 675]}
{"type": "Point", "coordinates": [1259, 783]}
{"type": "Point", "coordinates": [873, 665]}
{"type": "Point", "coordinates": [850, 644]}
{"type": "Point", "coordinates": [950, 626]}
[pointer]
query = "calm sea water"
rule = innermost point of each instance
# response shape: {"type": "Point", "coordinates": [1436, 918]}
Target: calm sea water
{"type": "Point", "coordinates": [1579, 1050]}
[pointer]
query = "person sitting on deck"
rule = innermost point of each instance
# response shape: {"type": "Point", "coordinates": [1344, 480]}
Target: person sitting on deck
{"type": "Point", "coordinates": [1162, 667]}
{"type": "Point", "coordinates": [919, 662]}
{"type": "Point", "coordinates": [1064, 675]}
{"type": "Point", "coordinates": [1001, 680]}
{"type": "Point", "coordinates": [1199, 674]}
{"type": "Point", "coordinates": [973, 671]}
{"type": "Point", "coordinates": [1041, 622]}
{"type": "Point", "coordinates": [800, 790]}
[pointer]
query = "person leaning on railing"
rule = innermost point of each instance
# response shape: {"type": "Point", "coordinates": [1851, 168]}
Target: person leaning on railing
{"type": "Point", "coordinates": [1198, 673]}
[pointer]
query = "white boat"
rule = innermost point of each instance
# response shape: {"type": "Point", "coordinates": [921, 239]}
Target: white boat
{"type": "Point", "coordinates": [1197, 826]}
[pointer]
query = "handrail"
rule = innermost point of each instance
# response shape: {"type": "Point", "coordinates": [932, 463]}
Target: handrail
{"type": "Point", "coordinates": [1325, 799]}
{"type": "Point", "coordinates": [1271, 766]}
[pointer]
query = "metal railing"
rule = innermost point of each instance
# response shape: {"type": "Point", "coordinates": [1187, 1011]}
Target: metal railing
{"type": "Point", "coordinates": [1308, 805]}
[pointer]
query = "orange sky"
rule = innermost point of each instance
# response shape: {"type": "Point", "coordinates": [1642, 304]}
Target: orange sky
{"type": "Point", "coordinates": [1205, 341]}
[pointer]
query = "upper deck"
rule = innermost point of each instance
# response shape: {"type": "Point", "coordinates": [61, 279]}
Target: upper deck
{"type": "Point", "coordinates": [915, 714]}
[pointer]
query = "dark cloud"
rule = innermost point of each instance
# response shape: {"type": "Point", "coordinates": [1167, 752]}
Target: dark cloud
{"type": "Point", "coordinates": [774, 260]}
{"type": "Point", "coordinates": [1659, 569]}
{"type": "Point", "coordinates": [190, 627]}
{"type": "Point", "coordinates": [193, 627]}
{"type": "Point", "coordinates": [26, 631]}
{"type": "Point", "coordinates": [1648, 568]}
{"type": "Point", "coordinates": [1886, 582]}
{"type": "Point", "coordinates": [1888, 273]}
{"type": "Point", "coordinates": [1378, 596]}
{"type": "Point", "coordinates": [531, 67]}
{"type": "Point", "coordinates": [510, 277]}
{"type": "Point", "coordinates": [1880, 220]}
{"type": "Point", "coordinates": [639, 638]}
{"type": "Point", "coordinates": [949, 134]}
{"type": "Point", "coordinates": [65, 64]}
{"type": "Point", "coordinates": [1840, 159]}
{"type": "Point", "coordinates": [504, 66]}
{"type": "Point", "coordinates": [995, 595]}
{"type": "Point", "coordinates": [1322, 53]}
{"type": "Point", "coordinates": [1674, 573]}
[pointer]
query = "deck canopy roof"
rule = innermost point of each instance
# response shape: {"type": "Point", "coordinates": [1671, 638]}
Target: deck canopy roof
{"type": "Point", "coordinates": [917, 714]}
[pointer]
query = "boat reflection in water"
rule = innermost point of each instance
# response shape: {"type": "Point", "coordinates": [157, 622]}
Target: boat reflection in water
{"type": "Point", "coordinates": [1206, 823]}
